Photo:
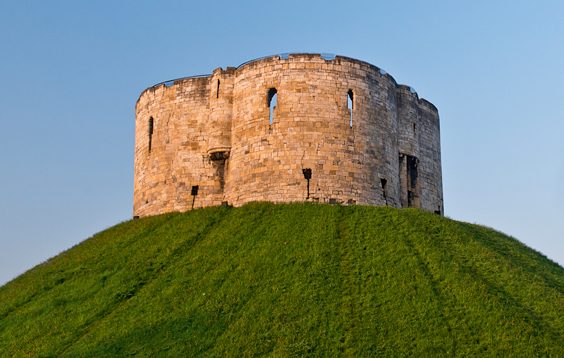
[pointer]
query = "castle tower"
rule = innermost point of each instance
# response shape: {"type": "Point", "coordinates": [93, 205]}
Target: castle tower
{"type": "Point", "coordinates": [220, 112]}
{"type": "Point", "coordinates": [288, 128]}
{"type": "Point", "coordinates": [219, 124]}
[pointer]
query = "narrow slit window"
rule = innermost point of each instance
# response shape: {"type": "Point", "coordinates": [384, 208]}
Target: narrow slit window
{"type": "Point", "coordinates": [272, 101]}
{"type": "Point", "coordinates": [151, 125]}
{"type": "Point", "coordinates": [350, 106]}
{"type": "Point", "coordinates": [383, 183]}
{"type": "Point", "coordinates": [217, 91]}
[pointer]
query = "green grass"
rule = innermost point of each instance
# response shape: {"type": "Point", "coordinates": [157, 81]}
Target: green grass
{"type": "Point", "coordinates": [286, 280]}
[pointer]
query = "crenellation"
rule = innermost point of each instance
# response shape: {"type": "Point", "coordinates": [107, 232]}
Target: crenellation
{"type": "Point", "coordinates": [214, 132]}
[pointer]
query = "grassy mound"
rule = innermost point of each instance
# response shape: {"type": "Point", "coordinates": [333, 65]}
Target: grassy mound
{"type": "Point", "coordinates": [288, 280]}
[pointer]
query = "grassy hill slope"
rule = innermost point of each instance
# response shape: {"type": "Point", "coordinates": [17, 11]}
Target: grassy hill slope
{"type": "Point", "coordinates": [288, 280]}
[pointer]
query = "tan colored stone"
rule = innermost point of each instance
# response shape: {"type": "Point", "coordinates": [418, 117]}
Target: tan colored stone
{"type": "Point", "coordinates": [223, 143]}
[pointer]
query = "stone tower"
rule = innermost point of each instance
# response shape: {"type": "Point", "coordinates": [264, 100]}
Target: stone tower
{"type": "Point", "coordinates": [286, 128]}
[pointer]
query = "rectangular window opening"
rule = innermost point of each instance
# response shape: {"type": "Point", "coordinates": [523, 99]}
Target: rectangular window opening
{"type": "Point", "coordinates": [271, 102]}
{"type": "Point", "coordinates": [151, 127]}
{"type": "Point", "coordinates": [409, 181]}
{"type": "Point", "coordinates": [350, 106]}
{"type": "Point", "coordinates": [383, 183]}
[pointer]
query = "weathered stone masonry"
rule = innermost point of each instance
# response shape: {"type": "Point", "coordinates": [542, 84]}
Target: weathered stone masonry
{"type": "Point", "coordinates": [287, 128]}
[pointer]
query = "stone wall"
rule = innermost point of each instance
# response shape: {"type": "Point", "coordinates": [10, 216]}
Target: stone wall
{"type": "Point", "coordinates": [215, 132]}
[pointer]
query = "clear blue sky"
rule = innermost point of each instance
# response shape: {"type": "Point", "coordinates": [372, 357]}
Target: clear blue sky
{"type": "Point", "coordinates": [71, 72]}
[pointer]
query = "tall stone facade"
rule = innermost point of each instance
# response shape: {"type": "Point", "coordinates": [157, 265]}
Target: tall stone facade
{"type": "Point", "coordinates": [286, 128]}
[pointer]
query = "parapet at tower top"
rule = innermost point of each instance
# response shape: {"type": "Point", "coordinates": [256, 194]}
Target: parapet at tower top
{"type": "Point", "coordinates": [286, 128]}
{"type": "Point", "coordinates": [286, 56]}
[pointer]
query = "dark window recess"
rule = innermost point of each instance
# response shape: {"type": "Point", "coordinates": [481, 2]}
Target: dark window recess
{"type": "Point", "coordinates": [217, 91]}
{"type": "Point", "coordinates": [307, 177]}
{"type": "Point", "coordinates": [350, 106]}
{"type": "Point", "coordinates": [409, 180]}
{"type": "Point", "coordinates": [220, 171]}
{"type": "Point", "coordinates": [217, 156]}
{"type": "Point", "coordinates": [272, 102]}
{"type": "Point", "coordinates": [151, 126]}
{"type": "Point", "coordinates": [413, 128]}
{"type": "Point", "coordinates": [194, 192]}
{"type": "Point", "coordinates": [383, 183]}
{"type": "Point", "coordinates": [412, 171]}
{"type": "Point", "coordinates": [410, 198]}
{"type": "Point", "coordinates": [219, 162]}
{"type": "Point", "coordinates": [438, 211]}
{"type": "Point", "coordinates": [332, 201]}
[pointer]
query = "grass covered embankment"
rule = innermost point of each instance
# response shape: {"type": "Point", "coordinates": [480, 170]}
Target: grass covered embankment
{"type": "Point", "coordinates": [288, 280]}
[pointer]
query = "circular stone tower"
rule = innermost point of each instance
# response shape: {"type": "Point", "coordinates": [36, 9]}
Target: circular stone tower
{"type": "Point", "coordinates": [286, 128]}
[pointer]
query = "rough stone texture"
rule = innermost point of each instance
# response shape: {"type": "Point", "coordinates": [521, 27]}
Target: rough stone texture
{"type": "Point", "coordinates": [214, 132]}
